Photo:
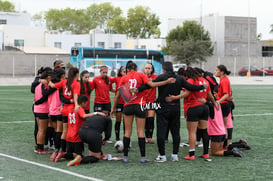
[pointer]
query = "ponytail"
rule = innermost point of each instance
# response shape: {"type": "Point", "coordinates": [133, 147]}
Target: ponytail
{"type": "Point", "coordinates": [223, 68]}
{"type": "Point", "coordinates": [73, 71]}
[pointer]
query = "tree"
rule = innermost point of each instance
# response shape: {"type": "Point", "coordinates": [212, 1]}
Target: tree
{"type": "Point", "coordinates": [7, 6]}
{"type": "Point", "coordinates": [68, 19]}
{"type": "Point", "coordinates": [189, 44]}
{"type": "Point", "coordinates": [141, 23]}
{"type": "Point", "coordinates": [102, 13]}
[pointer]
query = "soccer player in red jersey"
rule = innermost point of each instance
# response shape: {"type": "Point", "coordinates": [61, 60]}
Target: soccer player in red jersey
{"type": "Point", "coordinates": [75, 121]}
{"type": "Point", "coordinates": [197, 113]}
{"type": "Point", "coordinates": [224, 93]}
{"type": "Point", "coordinates": [150, 99]}
{"type": "Point", "coordinates": [119, 108]}
{"type": "Point", "coordinates": [135, 108]}
{"type": "Point", "coordinates": [86, 88]}
{"type": "Point", "coordinates": [71, 91]}
{"type": "Point", "coordinates": [102, 86]}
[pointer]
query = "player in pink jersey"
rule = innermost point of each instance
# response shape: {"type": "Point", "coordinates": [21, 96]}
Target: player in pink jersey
{"type": "Point", "coordinates": [86, 88]}
{"type": "Point", "coordinates": [41, 111]}
{"type": "Point", "coordinates": [134, 108]}
{"type": "Point", "coordinates": [119, 108]}
{"type": "Point", "coordinates": [150, 99]}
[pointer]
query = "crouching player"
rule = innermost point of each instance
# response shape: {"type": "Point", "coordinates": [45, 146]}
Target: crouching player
{"type": "Point", "coordinates": [91, 133]}
{"type": "Point", "coordinates": [75, 120]}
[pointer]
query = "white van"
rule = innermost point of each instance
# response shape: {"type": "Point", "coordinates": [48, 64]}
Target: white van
{"type": "Point", "coordinates": [176, 67]}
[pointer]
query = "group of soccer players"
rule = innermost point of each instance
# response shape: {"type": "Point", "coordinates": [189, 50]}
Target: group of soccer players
{"type": "Point", "coordinates": [62, 111]}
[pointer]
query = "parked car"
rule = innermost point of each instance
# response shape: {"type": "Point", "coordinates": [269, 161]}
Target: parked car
{"type": "Point", "coordinates": [95, 70]}
{"type": "Point", "coordinates": [253, 71]}
{"type": "Point", "coordinates": [269, 70]}
{"type": "Point", "coordinates": [176, 67]}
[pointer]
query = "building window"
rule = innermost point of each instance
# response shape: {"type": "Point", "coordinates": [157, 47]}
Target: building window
{"type": "Point", "coordinates": [117, 45]}
{"type": "Point", "coordinates": [19, 43]}
{"type": "Point", "coordinates": [58, 44]}
{"type": "Point", "coordinates": [101, 44]}
{"type": "Point", "coordinates": [77, 44]}
{"type": "Point", "coordinates": [3, 21]}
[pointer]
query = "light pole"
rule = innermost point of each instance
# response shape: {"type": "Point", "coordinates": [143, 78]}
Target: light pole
{"type": "Point", "coordinates": [248, 38]}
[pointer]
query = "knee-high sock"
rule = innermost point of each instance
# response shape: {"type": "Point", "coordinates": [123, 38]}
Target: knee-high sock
{"type": "Point", "coordinates": [63, 145]}
{"type": "Point", "coordinates": [198, 135]}
{"type": "Point", "coordinates": [58, 140]}
{"type": "Point", "coordinates": [205, 139]}
{"type": "Point", "coordinates": [147, 127]}
{"type": "Point", "coordinates": [141, 144]}
{"type": "Point", "coordinates": [117, 130]}
{"type": "Point", "coordinates": [151, 126]}
{"type": "Point", "coordinates": [126, 143]}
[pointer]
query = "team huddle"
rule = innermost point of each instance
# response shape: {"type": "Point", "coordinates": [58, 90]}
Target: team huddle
{"type": "Point", "coordinates": [63, 121]}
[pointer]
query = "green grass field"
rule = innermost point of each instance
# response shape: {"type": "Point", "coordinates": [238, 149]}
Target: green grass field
{"type": "Point", "coordinates": [253, 122]}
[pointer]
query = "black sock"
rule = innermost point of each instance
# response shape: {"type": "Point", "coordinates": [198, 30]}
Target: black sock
{"type": "Point", "coordinates": [228, 152]}
{"type": "Point", "coordinates": [235, 144]}
{"type": "Point", "coordinates": [51, 135]}
{"type": "Point", "coordinates": [141, 144]}
{"type": "Point", "coordinates": [192, 152]}
{"type": "Point", "coordinates": [198, 135]}
{"type": "Point", "coordinates": [126, 143]}
{"type": "Point", "coordinates": [58, 140]}
{"type": "Point", "coordinates": [47, 136]}
{"type": "Point", "coordinates": [147, 128]}
{"type": "Point", "coordinates": [40, 146]}
{"type": "Point", "coordinates": [205, 139]}
{"type": "Point", "coordinates": [63, 145]}
{"type": "Point", "coordinates": [117, 129]}
{"type": "Point", "coordinates": [89, 159]}
{"type": "Point", "coordinates": [35, 131]}
{"type": "Point", "coordinates": [151, 127]}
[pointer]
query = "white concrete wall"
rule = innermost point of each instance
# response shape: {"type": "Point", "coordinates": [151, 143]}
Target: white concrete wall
{"type": "Point", "coordinates": [32, 36]}
{"type": "Point", "coordinates": [1, 40]}
{"type": "Point", "coordinates": [150, 44]}
{"type": "Point", "coordinates": [67, 40]}
{"type": "Point", "coordinates": [22, 19]}
{"type": "Point", "coordinates": [108, 39]}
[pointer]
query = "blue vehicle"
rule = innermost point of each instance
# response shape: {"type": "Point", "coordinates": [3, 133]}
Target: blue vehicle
{"type": "Point", "coordinates": [91, 59]}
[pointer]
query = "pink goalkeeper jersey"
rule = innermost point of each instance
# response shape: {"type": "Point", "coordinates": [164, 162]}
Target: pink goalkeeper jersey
{"type": "Point", "coordinates": [229, 121]}
{"type": "Point", "coordinates": [54, 104]}
{"type": "Point", "coordinates": [216, 126]}
{"type": "Point", "coordinates": [41, 108]}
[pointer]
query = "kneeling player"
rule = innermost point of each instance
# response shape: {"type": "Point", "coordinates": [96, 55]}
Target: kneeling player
{"type": "Point", "coordinates": [91, 133]}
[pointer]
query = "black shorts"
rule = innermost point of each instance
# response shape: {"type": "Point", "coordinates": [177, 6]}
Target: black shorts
{"type": "Point", "coordinates": [65, 119]}
{"type": "Point", "coordinates": [217, 138]}
{"type": "Point", "coordinates": [229, 131]}
{"type": "Point", "coordinates": [134, 109]}
{"type": "Point", "coordinates": [41, 115]}
{"type": "Point", "coordinates": [225, 109]}
{"type": "Point", "coordinates": [55, 118]}
{"type": "Point", "coordinates": [75, 147]}
{"type": "Point", "coordinates": [198, 113]}
{"type": "Point", "coordinates": [92, 137]}
{"type": "Point", "coordinates": [119, 108]}
{"type": "Point", "coordinates": [102, 107]}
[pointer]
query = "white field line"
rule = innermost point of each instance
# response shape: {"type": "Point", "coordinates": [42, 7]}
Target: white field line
{"type": "Point", "coordinates": [11, 122]}
{"type": "Point", "coordinates": [51, 168]}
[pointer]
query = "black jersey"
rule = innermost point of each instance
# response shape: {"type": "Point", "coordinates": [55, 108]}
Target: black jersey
{"type": "Point", "coordinates": [99, 123]}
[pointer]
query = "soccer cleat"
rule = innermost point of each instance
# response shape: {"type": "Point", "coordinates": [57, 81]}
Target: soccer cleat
{"type": "Point", "coordinates": [59, 156]}
{"type": "Point", "coordinates": [237, 153]}
{"type": "Point", "coordinates": [200, 145]}
{"type": "Point", "coordinates": [184, 145]}
{"type": "Point", "coordinates": [174, 158]}
{"type": "Point", "coordinates": [53, 156]}
{"type": "Point", "coordinates": [144, 160]}
{"type": "Point", "coordinates": [42, 152]}
{"type": "Point", "coordinates": [146, 140]}
{"type": "Point", "coordinates": [109, 141]}
{"type": "Point", "coordinates": [151, 141]}
{"type": "Point", "coordinates": [77, 160]}
{"type": "Point", "coordinates": [206, 156]}
{"type": "Point", "coordinates": [245, 144]}
{"type": "Point", "coordinates": [188, 157]}
{"type": "Point", "coordinates": [161, 159]}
